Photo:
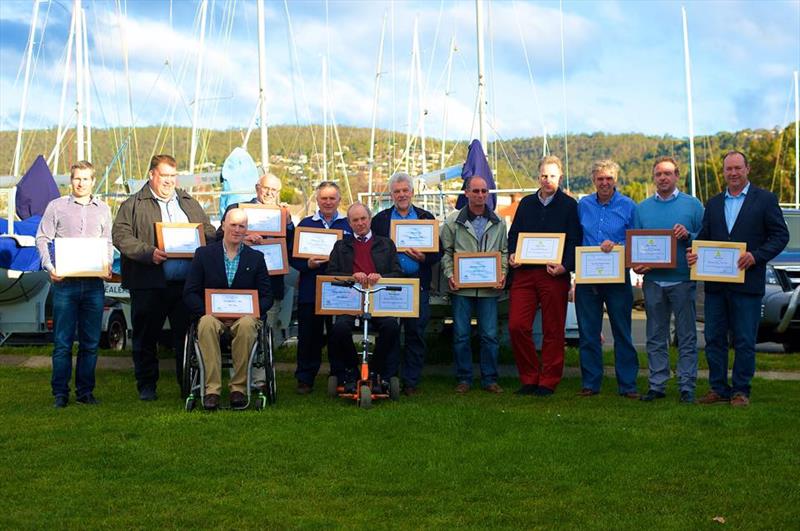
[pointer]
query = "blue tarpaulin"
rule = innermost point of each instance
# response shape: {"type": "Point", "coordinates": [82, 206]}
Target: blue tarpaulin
{"type": "Point", "coordinates": [476, 164]}
{"type": "Point", "coordinates": [12, 256]}
{"type": "Point", "coordinates": [239, 172]}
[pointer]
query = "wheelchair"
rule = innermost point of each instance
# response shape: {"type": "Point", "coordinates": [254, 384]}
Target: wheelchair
{"type": "Point", "coordinates": [193, 377]}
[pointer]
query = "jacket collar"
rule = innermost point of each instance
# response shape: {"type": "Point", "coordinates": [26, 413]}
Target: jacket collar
{"type": "Point", "coordinates": [147, 193]}
{"type": "Point", "coordinates": [464, 213]}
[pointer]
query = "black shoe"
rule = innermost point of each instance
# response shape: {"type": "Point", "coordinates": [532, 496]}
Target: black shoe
{"type": "Point", "coordinates": [88, 399]}
{"type": "Point", "coordinates": [211, 402]}
{"type": "Point", "coordinates": [238, 400]}
{"type": "Point", "coordinates": [148, 394]}
{"type": "Point", "coordinates": [61, 401]}
{"type": "Point", "coordinates": [652, 395]}
{"type": "Point", "coordinates": [543, 391]}
{"type": "Point", "coordinates": [526, 389]}
{"type": "Point", "coordinates": [687, 397]}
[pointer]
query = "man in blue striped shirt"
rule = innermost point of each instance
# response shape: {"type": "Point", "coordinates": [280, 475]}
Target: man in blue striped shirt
{"type": "Point", "coordinates": [605, 216]}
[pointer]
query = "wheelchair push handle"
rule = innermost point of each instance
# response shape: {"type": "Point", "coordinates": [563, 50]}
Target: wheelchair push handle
{"type": "Point", "coordinates": [354, 285]}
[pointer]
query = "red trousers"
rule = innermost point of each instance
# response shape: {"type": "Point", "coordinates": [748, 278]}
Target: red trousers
{"type": "Point", "coordinates": [530, 289]}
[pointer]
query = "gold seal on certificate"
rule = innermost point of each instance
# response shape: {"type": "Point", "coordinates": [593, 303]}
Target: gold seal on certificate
{"type": "Point", "coordinates": [717, 261]}
{"type": "Point", "coordinates": [476, 270]}
{"type": "Point", "coordinates": [232, 303]}
{"type": "Point", "coordinates": [336, 300]}
{"type": "Point", "coordinates": [593, 266]}
{"type": "Point", "coordinates": [539, 248]}
{"type": "Point", "coordinates": [275, 256]}
{"type": "Point", "coordinates": [314, 243]}
{"type": "Point", "coordinates": [402, 303]}
{"type": "Point", "coordinates": [265, 220]}
{"type": "Point", "coordinates": [179, 240]}
{"type": "Point", "coordinates": [81, 257]}
{"type": "Point", "coordinates": [655, 249]}
{"type": "Point", "coordinates": [419, 234]}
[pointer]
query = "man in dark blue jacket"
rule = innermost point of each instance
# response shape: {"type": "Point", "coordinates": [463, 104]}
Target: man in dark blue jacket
{"type": "Point", "coordinates": [742, 213]}
{"type": "Point", "coordinates": [415, 264]}
{"type": "Point", "coordinates": [228, 264]}
{"type": "Point", "coordinates": [310, 327]}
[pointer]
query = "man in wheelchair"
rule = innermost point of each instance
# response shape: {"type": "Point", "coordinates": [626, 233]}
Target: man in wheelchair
{"type": "Point", "coordinates": [227, 264]}
{"type": "Point", "coordinates": [366, 257]}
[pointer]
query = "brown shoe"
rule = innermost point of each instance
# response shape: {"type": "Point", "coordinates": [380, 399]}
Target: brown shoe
{"type": "Point", "coordinates": [713, 397]}
{"type": "Point", "coordinates": [493, 388]}
{"type": "Point", "coordinates": [740, 400]}
{"type": "Point", "coordinates": [304, 388]}
{"type": "Point", "coordinates": [462, 388]}
{"type": "Point", "coordinates": [238, 400]}
{"type": "Point", "coordinates": [588, 392]}
{"type": "Point", "coordinates": [211, 402]}
{"type": "Point", "coordinates": [633, 395]}
{"type": "Point", "coordinates": [410, 391]}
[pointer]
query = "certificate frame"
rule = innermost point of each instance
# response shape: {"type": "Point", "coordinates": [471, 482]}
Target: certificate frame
{"type": "Point", "coordinates": [631, 234]}
{"type": "Point", "coordinates": [209, 293]}
{"type": "Point", "coordinates": [299, 231]}
{"type": "Point", "coordinates": [410, 311]}
{"type": "Point", "coordinates": [284, 255]}
{"type": "Point", "coordinates": [396, 225]}
{"type": "Point", "coordinates": [580, 276]}
{"type": "Point", "coordinates": [323, 283]}
{"type": "Point", "coordinates": [562, 238]}
{"type": "Point", "coordinates": [161, 241]}
{"type": "Point", "coordinates": [458, 257]}
{"type": "Point", "coordinates": [59, 250]}
{"type": "Point", "coordinates": [257, 206]}
{"type": "Point", "coordinates": [708, 244]}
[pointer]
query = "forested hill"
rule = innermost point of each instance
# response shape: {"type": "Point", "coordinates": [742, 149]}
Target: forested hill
{"type": "Point", "coordinates": [293, 149]}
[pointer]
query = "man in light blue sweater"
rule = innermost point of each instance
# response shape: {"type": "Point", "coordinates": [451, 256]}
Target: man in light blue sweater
{"type": "Point", "coordinates": [668, 291]}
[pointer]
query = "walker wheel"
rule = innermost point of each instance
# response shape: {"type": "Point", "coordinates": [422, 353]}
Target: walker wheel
{"type": "Point", "coordinates": [333, 384]}
{"type": "Point", "coordinates": [365, 397]}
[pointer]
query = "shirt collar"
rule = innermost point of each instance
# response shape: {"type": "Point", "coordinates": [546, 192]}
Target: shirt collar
{"type": "Point", "coordinates": [610, 200]}
{"type": "Point", "coordinates": [367, 238]}
{"type": "Point", "coordinates": [238, 250]}
{"type": "Point", "coordinates": [92, 201]}
{"type": "Point", "coordinates": [741, 195]}
{"type": "Point", "coordinates": [160, 199]}
{"type": "Point", "coordinates": [318, 216]}
{"type": "Point", "coordinates": [471, 216]}
{"type": "Point", "coordinates": [546, 201]}
{"type": "Point", "coordinates": [674, 194]}
{"type": "Point", "coordinates": [410, 210]}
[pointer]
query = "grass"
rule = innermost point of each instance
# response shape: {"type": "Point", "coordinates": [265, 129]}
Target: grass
{"type": "Point", "coordinates": [437, 460]}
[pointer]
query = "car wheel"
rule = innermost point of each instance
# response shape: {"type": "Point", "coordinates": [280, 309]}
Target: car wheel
{"type": "Point", "coordinates": [116, 335]}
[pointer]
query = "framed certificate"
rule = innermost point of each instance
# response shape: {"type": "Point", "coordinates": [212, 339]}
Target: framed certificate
{"type": "Point", "coordinates": [476, 270]}
{"type": "Point", "coordinates": [593, 266]}
{"type": "Point", "coordinates": [232, 303]}
{"type": "Point", "coordinates": [265, 220]}
{"type": "Point", "coordinates": [539, 247]}
{"type": "Point", "coordinates": [652, 248]}
{"type": "Point", "coordinates": [275, 256]}
{"type": "Point", "coordinates": [179, 240]}
{"type": "Point", "coordinates": [81, 257]}
{"type": "Point", "coordinates": [315, 243]}
{"type": "Point", "coordinates": [336, 300]}
{"type": "Point", "coordinates": [419, 234]}
{"type": "Point", "coordinates": [717, 261]}
{"type": "Point", "coordinates": [403, 303]}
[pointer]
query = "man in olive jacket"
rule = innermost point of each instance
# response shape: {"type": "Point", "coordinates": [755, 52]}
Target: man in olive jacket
{"type": "Point", "coordinates": [155, 282]}
{"type": "Point", "coordinates": [475, 228]}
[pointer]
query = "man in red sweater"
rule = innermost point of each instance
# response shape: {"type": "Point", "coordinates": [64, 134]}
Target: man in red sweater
{"type": "Point", "coordinates": [366, 257]}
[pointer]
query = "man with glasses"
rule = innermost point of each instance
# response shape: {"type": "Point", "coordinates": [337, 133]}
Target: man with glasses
{"type": "Point", "coordinates": [77, 302]}
{"type": "Point", "coordinates": [475, 228]}
{"type": "Point", "coordinates": [546, 286]}
{"type": "Point", "coordinates": [310, 327]}
{"type": "Point", "coordinates": [154, 281]}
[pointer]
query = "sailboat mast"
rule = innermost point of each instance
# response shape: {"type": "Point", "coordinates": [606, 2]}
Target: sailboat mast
{"type": "Point", "coordinates": [262, 87]}
{"type": "Point", "coordinates": [79, 131]}
{"type": "Point", "coordinates": [411, 73]}
{"type": "Point", "coordinates": [687, 66]}
{"type": "Point", "coordinates": [87, 86]}
{"type": "Point", "coordinates": [481, 77]}
{"type": "Point", "coordinates": [446, 98]}
{"type": "Point", "coordinates": [796, 142]}
{"type": "Point", "coordinates": [421, 100]}
{"type": "Point", "coordinates": [64, 84]}
{"type": "Point", "coordinates": [31, 35]}
{"type": "Point", "coordinates": [375, 111]}
{"type": "Point", "coordinates": [197, 79]}
{"type": "Point", "coordinates": [324, 118]}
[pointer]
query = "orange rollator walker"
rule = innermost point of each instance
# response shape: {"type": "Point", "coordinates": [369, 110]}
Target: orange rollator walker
{"type": "Point", "coordinates": [367, 388]}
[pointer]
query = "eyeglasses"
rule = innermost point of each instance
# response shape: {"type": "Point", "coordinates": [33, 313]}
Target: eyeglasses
{"type": "Point", "coordinates": [479, 191]}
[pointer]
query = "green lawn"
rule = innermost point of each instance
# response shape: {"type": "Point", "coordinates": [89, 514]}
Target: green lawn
{"type": "Point", "coordinates": [437, 460]}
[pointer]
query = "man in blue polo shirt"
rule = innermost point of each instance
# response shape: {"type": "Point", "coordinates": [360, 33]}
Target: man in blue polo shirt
{"type": "Point", "coordinates": [605, 216]}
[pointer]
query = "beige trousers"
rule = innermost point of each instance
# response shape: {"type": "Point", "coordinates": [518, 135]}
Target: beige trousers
{"type": "Point", "coordinates": [245, 332]}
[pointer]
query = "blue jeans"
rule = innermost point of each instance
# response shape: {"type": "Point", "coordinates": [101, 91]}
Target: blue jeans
{"type": "Point", "coordinates": [660, 303]}
{"type": "Point", "coordinates": [737, 313]}
{"type": "Point", "coordinates": [76, 303]}
{"type": "Point", "coordinates": [486, 312]}
{"type": "Point", "coordinates": [618, 299]}
{"type": "Point", "coordinates": [414, 333]}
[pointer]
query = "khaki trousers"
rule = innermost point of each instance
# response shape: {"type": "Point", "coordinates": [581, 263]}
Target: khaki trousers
{"type": "Point", "coordinates": [245, 332]}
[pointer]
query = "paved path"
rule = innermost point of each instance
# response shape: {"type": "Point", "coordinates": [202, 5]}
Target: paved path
{"type": "Point", "coordinates": [122, 363]}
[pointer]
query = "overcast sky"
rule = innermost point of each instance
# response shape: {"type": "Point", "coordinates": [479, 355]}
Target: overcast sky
{"type": "Point", "coordinates": [624, 64]}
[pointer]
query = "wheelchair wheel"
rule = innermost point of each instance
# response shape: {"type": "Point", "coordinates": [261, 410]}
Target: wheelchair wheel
{"type": "Point", "coordinates": [261, 402]}
{"type": "Point", "coordinates": [190, 368]}
{"type": "Point", "coordinates": [394, 388]}
{"type": "Point", "coordinates": [333, 384]}
{"type": "Point", "coordinates": [269, 366]}
{"type": "Point", "coordinates": [190, 403]}
{"type": "Point", "coordinates": [365, 397]}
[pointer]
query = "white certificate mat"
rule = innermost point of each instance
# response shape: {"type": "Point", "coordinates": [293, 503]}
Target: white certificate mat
{"type": "Point", "coordinates": [179, 240]}
{"type": "Point", "coordinates": [593, 266]}
{"type": "Point", "coordinates": [422, 235]}
{"type": "Point", "coordinates": [403, 303]}
{"type": "Point", "coordinates": [275, 256]}
{"type": "Point", "coordinates": [81, 257]}
{"type": "Point", "coordinates": [232, 303]}
{"type": "Point", "coordinates": [314, 243]}
{"type": "Point", "coordinates": [654, 248]}
{"type": "Point", "coordinates": [336, 300]}
{"type": "Point", "coordinates": [476, 270]}
{"type": "Point", "coordinates": [718, 261]}
{"type": "Point", "coordinates": [539, 248]}
{"type": "Point", "coordinates": [264, 220]}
